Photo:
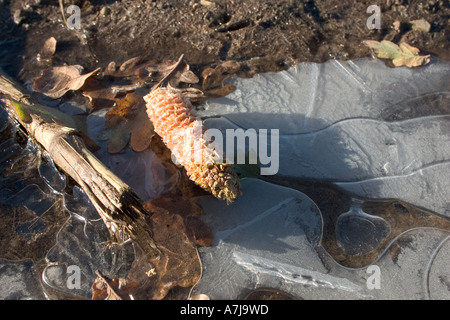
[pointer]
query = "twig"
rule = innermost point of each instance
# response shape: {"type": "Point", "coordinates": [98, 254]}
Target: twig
{"type": "Point", "coordinates": [61, 6]}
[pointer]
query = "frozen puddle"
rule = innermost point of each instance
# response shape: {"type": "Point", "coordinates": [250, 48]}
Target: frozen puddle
{"type": "Point", "coordinates": [271, 238]}
{"type": "Point", "coordinates": [377, 132]}
{"type": "Point", "coordinates": [374, 132]}
{"type": "Point", "coordinates": [369, 146]}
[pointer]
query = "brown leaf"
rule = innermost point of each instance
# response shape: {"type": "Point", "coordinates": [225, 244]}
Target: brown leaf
{"type": "Point", "coordinates": [118, 136]}
{"type": "Point", "coordinates": [99, 93]}
{"type": "Point", "coordinates": [193, 94]}
{"type": "Point", "coordinates": [400, 55]}
{"type": "Point", "coordinates": [128, 122]}
{"type": "Point", "coordinates": [55, 82]}
{"type": "Point", "coordinates": [213, 79]}
{"type": "Point", "coordinates": [142, 132]}
{"type": "Point", "coordinates": [174, 203]}
{"type": "Point", "coordinates": [199, 231]}
{"type": "Point", "coordinates": [185, 75]}
{"type": "Point", "coordinates": [172, 223]}
{"type": "Point", "coordinates": [131, 75]}
{"type": "Point", "coordinates": [221, 91]}
{"type": "Point", "coordinates": [126, 69]}
{"type": "Point", "coordinates": [115, 83]}
{"type": "Point", "coordinates": [421, 25]}
{"type": "Point", "coordinates": [113, 289]}
{"type": "Point", "coordinates": [48, 49]}
{"type": "Point", "coordinates": [177, 265]}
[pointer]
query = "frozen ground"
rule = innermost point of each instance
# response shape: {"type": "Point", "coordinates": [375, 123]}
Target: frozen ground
{"type": "Point", "coordinates": [374, 132]}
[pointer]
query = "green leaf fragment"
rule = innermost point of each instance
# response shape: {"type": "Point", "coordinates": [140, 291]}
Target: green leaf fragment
{"type": "Point", "coordinates": [48, 114]}
{"type": "Point", "coordinates": [21, 110]}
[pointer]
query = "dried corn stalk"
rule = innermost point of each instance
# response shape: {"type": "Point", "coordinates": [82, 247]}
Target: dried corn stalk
{"type": "Point", "coordinates": [175, 122]}
{"type": "Point", "coordinates": [118, 205]}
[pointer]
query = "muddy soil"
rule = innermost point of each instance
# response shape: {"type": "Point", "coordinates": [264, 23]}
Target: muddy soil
{"type": "Point", "coordinates": [263, 35]}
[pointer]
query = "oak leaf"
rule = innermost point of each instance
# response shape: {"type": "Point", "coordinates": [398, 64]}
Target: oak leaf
{"type": "Point", "coordinates": [135, 73]}
{"type": "Point", "coordinates": [177, 265]}
{"type": "Point", "coordinates": [55, 82]}
{"type": "Point", "coordinates": [176, 230]}
{"type": "Point", "coordinates": [400, 55]}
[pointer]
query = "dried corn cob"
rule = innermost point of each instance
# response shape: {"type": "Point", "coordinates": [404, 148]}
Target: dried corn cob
{"type": "Point", "coordinates": [174, 121]}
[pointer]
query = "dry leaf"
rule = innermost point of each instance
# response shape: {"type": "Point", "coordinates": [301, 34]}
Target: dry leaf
{"type": "Point", "coordinates": [193, 94]}
{"type": "Point", "coordinates": [115, 83]}
{"type": "Point", "coordinates": [213, 79]}
{"type": "Point", "coordinates": [198, 231]}
{"type": "Point", "coordinates": [99, 94]}
{"type": "Point", "coordinates": [175, 204]}
{"type": "Point", "coordinates": [221, 91]}
{"type": "Point", "coordinates": [55, 82]}
{"type": "Point", "coordinates": [400, 55]}
{"type": "Point", "coordinates": [48, 50]}
{"type": "Point", "coordinates": [142, 132]}
{"type": "Point", "coordinates": [129, 76]}
{"type": "Point", "coordinates": [185, 75]}
{"type": "Point", "coordinates": [178, 264]}
{"type": "Point", "coordinates": [421, 25]}
{"type": "Point", "coordinates": [113, 289]}
{"type": "Point", "coordinates": [127, 122]}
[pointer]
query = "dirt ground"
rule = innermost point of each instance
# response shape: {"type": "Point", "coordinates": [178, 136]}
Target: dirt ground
{"type": "Point", "coordinates": [262, 35]}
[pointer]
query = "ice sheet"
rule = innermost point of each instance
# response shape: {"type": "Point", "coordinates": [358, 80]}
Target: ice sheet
{"type": "Point", "coordinates": [375, 131]}
{"type": "Point", "coordinates": [143, 171]}
{"type": "Point", "coordinates": [82, 249]}
{"type": "Point", "coordinates": [273, 241]}
{"type": "Point", "coordinates": [311, 97]}
{"type": "Point", "coordinates": [19, 281]}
